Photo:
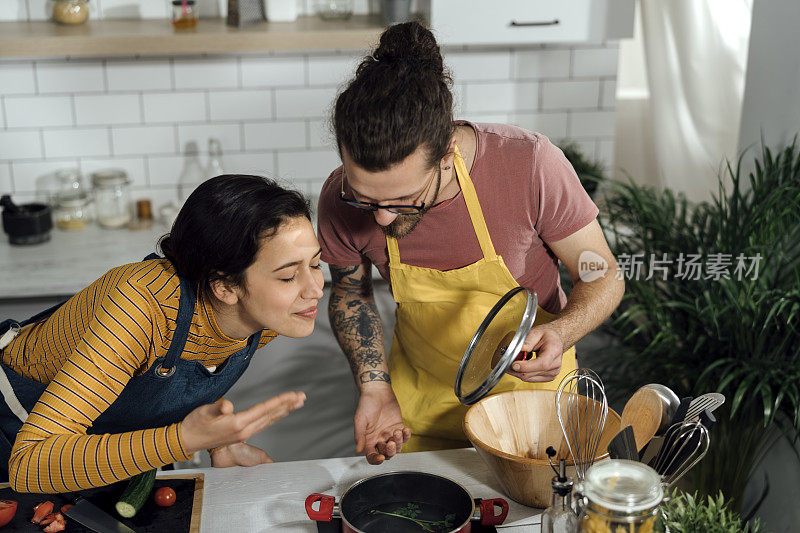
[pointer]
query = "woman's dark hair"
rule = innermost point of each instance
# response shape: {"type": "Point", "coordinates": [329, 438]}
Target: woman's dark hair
{"type": "Point", "coordinates": [399, 100]}
{"type": "Point", "coordinates": [219, 229]}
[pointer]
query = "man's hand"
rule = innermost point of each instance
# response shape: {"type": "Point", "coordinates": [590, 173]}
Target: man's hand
{"type": "Point", "coordinates": [379, 429]}
{"type": "Point", "coordinates": [549, 346]}
{"type": "Point", "coordinates": [239, 454]}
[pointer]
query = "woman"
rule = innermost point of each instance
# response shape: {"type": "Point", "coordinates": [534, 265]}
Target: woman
{"type": "Point", "coordinates": [453, 214]}
{"type": "Point", "coordinates": [126, 375]}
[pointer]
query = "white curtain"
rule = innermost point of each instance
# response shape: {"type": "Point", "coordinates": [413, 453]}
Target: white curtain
{"type": "Point", "coordinates": [695, 55]}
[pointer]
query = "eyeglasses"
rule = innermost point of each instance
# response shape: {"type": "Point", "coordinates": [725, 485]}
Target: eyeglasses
{"type": "Point", "coordinates": [396, 209]}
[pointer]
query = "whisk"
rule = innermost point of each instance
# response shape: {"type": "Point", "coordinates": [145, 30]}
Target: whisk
{"type": "Point", "coordinates": [685, 444]}
{"type": "Point", "coordinates": [582, 407]}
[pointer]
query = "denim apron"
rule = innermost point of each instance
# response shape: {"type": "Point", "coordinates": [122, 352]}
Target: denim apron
{"type": "Point", "coordinates": [168, 391]}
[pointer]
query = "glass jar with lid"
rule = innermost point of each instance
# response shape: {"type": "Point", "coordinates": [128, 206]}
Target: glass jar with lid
{"type": "Point", "coordinates": [72, 209]}
{"type": "Point", "coordinates": [620, 495]}
{"type": "Point", "coordinates": [69, 180]}
{"type": "Point", "coordinates": [184, 14]}
{"type": "Point", "coordinates": [335, 9]}
{"type": "Point", "coordinates": [112, 197]}
{"type": "Point", "coordinates": [71, 11]}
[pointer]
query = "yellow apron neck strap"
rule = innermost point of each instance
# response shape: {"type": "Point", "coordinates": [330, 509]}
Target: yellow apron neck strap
{"type": "Point", "coordinates": [394, 250]}
{"type": "Point", "coordinates": [473, 207]}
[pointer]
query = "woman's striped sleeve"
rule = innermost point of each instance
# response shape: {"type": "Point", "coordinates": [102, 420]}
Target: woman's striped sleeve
{"type": "Point", "coordinates": [52, 452]}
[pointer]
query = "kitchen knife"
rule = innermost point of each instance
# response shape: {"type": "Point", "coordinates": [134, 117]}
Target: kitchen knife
{"type": "Point", "coordinates": [623, 445]}
{"type": "Point", "coordinates": [89, 515]}
{"type": "Point", "coordinates": [683, 408]}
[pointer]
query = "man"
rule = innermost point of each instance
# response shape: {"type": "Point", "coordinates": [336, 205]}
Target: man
{"type": "Point", "coordinates": [453, 215]}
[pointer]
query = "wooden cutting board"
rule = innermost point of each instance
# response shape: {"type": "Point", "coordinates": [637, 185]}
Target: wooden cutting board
{"type": "Point", "coordinates": [182, 517]}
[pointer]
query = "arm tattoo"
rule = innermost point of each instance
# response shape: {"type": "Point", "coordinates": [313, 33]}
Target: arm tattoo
{"type": "Point", "coordinates": [356, 323]}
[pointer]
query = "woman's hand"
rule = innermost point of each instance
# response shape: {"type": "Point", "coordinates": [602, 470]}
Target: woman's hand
{"type": "Point", "coordinates": [214, 425]}
{"type": "Point", "coordinates": [239, 454]}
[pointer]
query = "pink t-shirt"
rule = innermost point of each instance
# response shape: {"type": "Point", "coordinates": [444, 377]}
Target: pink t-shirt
{"type": "Point", "coordinates": [529, 195]}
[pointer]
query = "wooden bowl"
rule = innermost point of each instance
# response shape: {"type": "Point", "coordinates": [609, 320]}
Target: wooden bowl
{"type": "Point", "coordinates": [511, 432]}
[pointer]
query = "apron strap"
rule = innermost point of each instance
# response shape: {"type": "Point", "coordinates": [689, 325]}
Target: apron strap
{"type": "Point", "coordinates": [393, 249]}
{"type": "Point", "coordinates": [184, 321]}
{"type": "Point", "coordinates": [188, 300]}
{"type": "Point", "coordinates": [252, 344]}
{"type": "Point", "coordinates": [473, 206]}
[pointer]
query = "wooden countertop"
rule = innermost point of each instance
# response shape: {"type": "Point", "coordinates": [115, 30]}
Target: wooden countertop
{"type": "Point", "coordinates": [156, 37]}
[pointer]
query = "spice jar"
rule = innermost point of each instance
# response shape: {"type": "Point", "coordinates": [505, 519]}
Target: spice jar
{"type": "Point", "coordinates": [335, 9]}
{"type": "Point", "coordinates": [184, 14]}
{"type": "Point", "coordinates": [620, 495]}
{"type": "Point", "coordinates": [112, 195]}
{"type": "Point", "coordinates": [72, 209]}
{"type": "Point", "coordinates": [71, 11]}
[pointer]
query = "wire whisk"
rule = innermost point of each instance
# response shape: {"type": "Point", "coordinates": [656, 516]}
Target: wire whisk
{"type": "Point", "coordinates": [582, 408]}
{"type": "Point", "coordinates": [685, 444]}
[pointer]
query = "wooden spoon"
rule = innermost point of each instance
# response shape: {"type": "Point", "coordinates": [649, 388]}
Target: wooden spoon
{"type": "Point", "coordinates": [643, 412]}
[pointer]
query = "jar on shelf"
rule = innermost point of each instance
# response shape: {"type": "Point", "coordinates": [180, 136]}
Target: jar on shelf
{"type": "Point", "coordinates": [69, 180]}
{"type": "Point", "coordinates": [335, 9]}
{"type": "Point", "coordinates": [619, 495]}
{"type": "Point", "coordinates": [72, 209]}
{"type": "Point", "coordinates": [184, 14]}
{"type": "Point", "coordinates": [112, 197]}
{"type": "Point", "coordinates": [71, 11]}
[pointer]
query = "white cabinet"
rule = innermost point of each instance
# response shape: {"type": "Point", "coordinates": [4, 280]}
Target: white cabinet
{"type": "Point", "coordinates": [506, 22]}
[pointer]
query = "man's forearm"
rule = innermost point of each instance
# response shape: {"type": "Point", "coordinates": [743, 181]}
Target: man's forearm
{"type": "Point", "coordinates": [356, 323]}
{"type": "Point", "coordinates": [588, 305]}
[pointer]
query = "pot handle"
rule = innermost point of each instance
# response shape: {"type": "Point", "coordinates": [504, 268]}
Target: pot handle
{"type": "Point", "coordinates": [326, 505]}
{"type": "Point", "coordinates": [524, 356]}
{"type": "Point", "coordinates": [488, 518]}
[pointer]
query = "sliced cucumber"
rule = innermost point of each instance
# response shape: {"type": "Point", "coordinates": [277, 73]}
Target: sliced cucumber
{"type": "Point", "coordinates": [136, 493]}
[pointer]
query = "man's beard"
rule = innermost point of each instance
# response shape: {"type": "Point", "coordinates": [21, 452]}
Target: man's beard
{"type": "Point", "coordinates": [404, 224]}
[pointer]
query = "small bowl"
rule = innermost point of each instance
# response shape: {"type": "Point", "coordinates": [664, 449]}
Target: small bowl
{"type": "Point", "coordinates": [30, 225]}
{"type": "Point", "coordinates": [511, 431]}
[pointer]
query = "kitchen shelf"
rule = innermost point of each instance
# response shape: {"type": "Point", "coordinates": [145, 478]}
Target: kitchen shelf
{"type": "Point", "coordinates": [156, 37]}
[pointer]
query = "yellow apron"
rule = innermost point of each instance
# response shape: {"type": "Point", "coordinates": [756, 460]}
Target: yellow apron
{"type": "Point", "coordinates": [437, 314]}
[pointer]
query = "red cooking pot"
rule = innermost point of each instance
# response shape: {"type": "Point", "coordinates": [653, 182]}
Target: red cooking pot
{"type": "Point", "coordinates": [406, 502]}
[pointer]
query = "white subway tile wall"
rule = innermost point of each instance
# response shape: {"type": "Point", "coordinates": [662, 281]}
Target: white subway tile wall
{"type": "Point", "coordinates": [5, 177]}
{"type": "Point", "coordinates": [270, 111]}
{"type": "Point", "coordinates": [128, 75]}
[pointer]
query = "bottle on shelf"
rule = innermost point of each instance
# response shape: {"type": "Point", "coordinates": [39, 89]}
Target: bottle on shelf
{"type": "Point", "coordinates": [192, 174]}
{"type": "Point", "coordinates": [214, 165]}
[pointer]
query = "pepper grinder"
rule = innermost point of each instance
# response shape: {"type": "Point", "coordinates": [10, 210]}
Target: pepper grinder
{"type": "Point", "coordinates": [559, 517]}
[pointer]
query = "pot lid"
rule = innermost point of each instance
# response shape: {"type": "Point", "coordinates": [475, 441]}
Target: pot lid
{"type": "Point", "coordinates": [495, 345]}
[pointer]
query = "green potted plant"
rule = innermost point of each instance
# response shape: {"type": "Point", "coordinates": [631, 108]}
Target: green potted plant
{"type": "Point", "coordinates": [686, 513]}
{"type": "Point", "coordinates": [589, 171]}
{"type": "Point", "coordinates": [736, 333]}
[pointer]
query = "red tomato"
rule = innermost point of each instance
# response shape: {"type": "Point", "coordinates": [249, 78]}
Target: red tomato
{"type": "Point", "coordinates": [8, 508]}
{"type": "Point", "coordinates": [59, 524]}
{"type": "Point", "coordinates": [47, 519]}
{"type": "Point", "coordinates": [164, 496]}
{"type": "Point", "coordinates": [41, 510]}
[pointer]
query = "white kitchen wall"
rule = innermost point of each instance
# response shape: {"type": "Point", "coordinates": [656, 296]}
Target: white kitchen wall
{"type": "Point", "coordinates": [269, 111]}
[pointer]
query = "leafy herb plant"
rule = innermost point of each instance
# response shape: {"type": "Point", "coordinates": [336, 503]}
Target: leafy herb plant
{"type": "Point", "coordinates": [686, 513]}
{"type": "Point", "coordinates": [411, 511]}
{"type": "Point", "coordinates": [738, 335]}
